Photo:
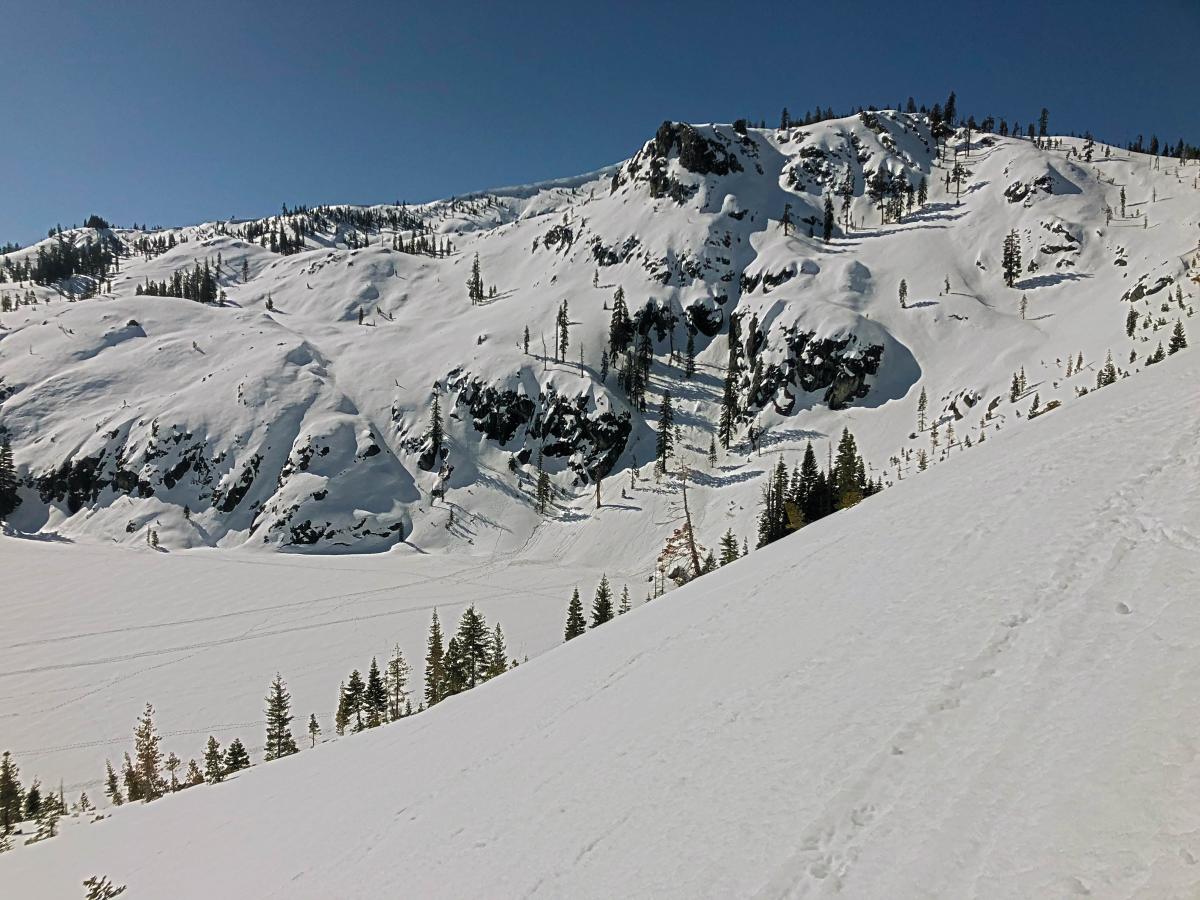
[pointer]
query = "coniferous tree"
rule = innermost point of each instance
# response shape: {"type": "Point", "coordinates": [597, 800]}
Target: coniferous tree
{"type": "Point", "coordinates": [729, 548]}
{"type": "Point", "coordinates": [435, 662]}
{"type": "Point", "coordinates": [397, 684]}
{"type": "Point", "coordinates": [602, 606]}
{"type": "Point", "coordinates": [280, 741]}
{"type": "Point", "coordinates": [236, 757]}
{"type": "Point", "coordinates": [193, 776]}
{"type": "Point", "coordinates": [1178, 339]}
{"type": "Point", "coordinates": [827, 220]}
{"type": "Point", "coordinates": [10, 793]}
{"type": "Point", "coordinates": [498, 661]}
{"type": "Point", "coordinates": [543, 486]}
{"type": "Point", "coordinates": [665, 439]}
{"type": "Point", "coordinates": [33, 800]}
{"type": "Point", "coordinates": [341, 718]}
{"type": "Point", "coordinates": [625, 604]}
{"type": "Point", "coordinates": [112, 787]}
{"type": "Point", "coordinates": [356, 691]}
{"type": "Point", "coordinates": [214, 762]}
{"type": "Point", "coordinates": [375, 698]}
{"type": "Point", "coordinates": [149, 757]}
{"type": "Point", "coordinates": [474, 647]}
{"type": "Point", "coordinates": [922, 407]}
{"type": "Point", "coordinates": [436, 434]}
{"type": "Point", "coordinates": [1011, 262]}
{"type": "Point", "coordinates": [903, 294]}
{"type": "Point", "coordinates": [689, 360]}
{"type": "Point", "coordinates": [133, 785]}
{"type": "Point", "coordinates": [314, 729]}
{"type": "Point", "coordinates": [456, 670]}
{"type": "Point", "coordinates": [8, 481]}
{"type": "Point", "coordinates": [576, 624]}
{"type": "Point", "coordinates": [712, 452]}
{"type": "Point", "coordinates": [172, 766]}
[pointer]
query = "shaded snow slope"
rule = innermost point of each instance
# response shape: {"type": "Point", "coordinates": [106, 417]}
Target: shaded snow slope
{"type": "Point", "coordinates": [980, 683]}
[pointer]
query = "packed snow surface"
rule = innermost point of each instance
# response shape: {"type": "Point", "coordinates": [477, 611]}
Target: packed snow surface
{"type": "Point", "coordinates": [980, 683]}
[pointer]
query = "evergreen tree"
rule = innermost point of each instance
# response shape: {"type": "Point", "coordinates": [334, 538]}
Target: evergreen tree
{"type": "Point", "coordinates": [356, 699]}
{"type": "Point", "coordinates": [397, 684]}
{"type": "Point", "coordinates": [729, 548]}
{"type": "Point", "coordinates": [279, 720]}
{"type": "Point", "coordinates": [498, 661]}
{"type": "Point", "coordinates": [149, 757]}
{"type": "Point", "coordinates": [689, 364]}
{"type": "Point", "coordinates": [436, 434]}
{"type": "Point", "coordinates": [1178, 339]}
{"type": "Point", "coordinates": [33, 801]}
{"type": "Point", "coordinates": [903, 294]}
{"type": "Point", "coordinates": [542, 501]}
{"type": "Point", "coordinates": [922, 408]}
{"type": "Point", "coordinates": [100, 888]}
{"type": "Point", "coordinates": [10, 793]}
{"type": "Point", "coordinates": [314, 729]}
{"type": "Point", "coordinates": [564, 324]}
{"type": "Point", "coordinates": [214, 762]}
{"type": "Point", "coordinates": [435, 662]}
{"type": "Point", "coordinates": [375, 698]}
{"type": "Point", "coordinates": [1157, 356]}
{"type": "Point", "coordinates": [625, 604]}
{"type": "Point", "coordinates": [341, 718]}
{"type": "Point", "coordinates": [236, 757]}
{"type": "Point", "coordinates": [1011, 262]}
{"type": "Point", "coordinates": [456, 669]}
{"type": "Point", "coordinates": [602, 606]}
{"type": "Point", "coordinates": [193, 776]}
{"type": "Point", "coordinates": [712, 452]}
{"type": "Point", "coordinates": [172, 766]}
{"type": "Point", "coordinates": [8, 481]}
{"type": "Point", "coordinates": [848, 482]}
{"type": "Point", "coordinates": [576, 624]}
{"type": "Point", "coordinates": [474, 643]}
{"type": "Point", "coordinates": [665, 440]}
{"type": "Point", "coordinates": [112, 787]}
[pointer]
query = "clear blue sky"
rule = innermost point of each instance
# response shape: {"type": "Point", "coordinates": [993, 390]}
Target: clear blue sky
{"type": "Point", "coordinates": [170, 113]}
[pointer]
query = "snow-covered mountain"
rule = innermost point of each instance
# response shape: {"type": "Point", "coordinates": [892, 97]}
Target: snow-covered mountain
{"type": "Point", "coordinates": [274, 418]}
{"type": "Point", "coordinates": [937, 660]}
{"type": "Point", "coordinates": [978, 684]}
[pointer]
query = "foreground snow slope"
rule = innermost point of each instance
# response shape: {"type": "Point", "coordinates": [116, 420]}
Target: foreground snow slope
{"type": "Point", "coordinates": [979, 684]}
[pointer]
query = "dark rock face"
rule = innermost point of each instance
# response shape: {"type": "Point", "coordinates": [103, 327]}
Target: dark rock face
{"type": "Point", "coordinates": [561, 426]}
{"type": "Point", "coordinates": [1019, 190]}
{"type": "Point", "coordinates": [838, 367]}
{"type": "Point", "coordinates": [698, 154]}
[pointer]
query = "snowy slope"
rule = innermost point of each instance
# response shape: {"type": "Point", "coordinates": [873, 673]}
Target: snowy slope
{"type": "Point", "coordinates": [297, 428]}
{"type": "Point", "coordinates": [979, 684]}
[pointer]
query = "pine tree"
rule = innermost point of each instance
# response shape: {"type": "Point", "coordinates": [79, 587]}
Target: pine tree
{"type": "Point", "coordinates": [498, 661]}
{"type": "Point", "coordinates": [314, 729]}
{"type": "Point", "coordinates": [112, 787]}
{"type": "Point", "coordinates": [712, 452]}
{"type": "Point", "coordinates": [193, 776]}
{"type": "Point", "coordinates": [149, 757]}
{"type": "Point", "coordinates": [1178, 339]}
{"type": "Point", "coordinates": [279, 720]}
{"type": "Point", "coordinates": [922, 408]}
{"type": "Point", "coordinates": [172, 766]}
{"type": "Point", "coordinates": [214, 762]}
{"type": "Point", "coordinates": [474, 646]}
{"type": "Point", "coordinates": [100, 888]}
{"type": "Point", "coordinates": [236, 757]}
{"type": "Point", "coordinates": [689, 360]}
{"type": "Point", "coordinates": [375, 698]}
{"type": "Point", "coordinates": [341, 718]}
{"type": "Point", "coordinates": [525, 341]}
{"type": "Point", "coordinates": [397, 684]}
{"type": "Point", "coordinates": [665, 440]}
{"type": "Point", "coordinates": [625, 604]}
{"type": "Point", "coordinates": [542, 501]}
{"type": "Point", "coordinates": [436, 434]}
{"type": "Point", "coordinates": [903, 294]}
{"type": "Point", "coordinates": [729, 548]}
{"type": "Point", "coordinates": [602, 607]}
{"type": "Point", "coordinates": [1011, 258]}
{"type": "Point", "coordinates": [33, 800]}
{"type": "Point", "coordinates": [827, 220]}
{"type": "Point", "coordinates": [8, 481]}
{"type": "Point", "coordinates": [435, 662]}
{"type": "Point", "coordinates": [576, 624]}
{"type": "Point", "coordinates": [1157, 356]}
{"type": "Point", "coordinates": [456, 669]}
{"type": "Point", "coordinates": [10, 793]}
{"type": "Point", "coordinates": [355, 699]}
{"type": "Point", "coordinates": [1014, 392]}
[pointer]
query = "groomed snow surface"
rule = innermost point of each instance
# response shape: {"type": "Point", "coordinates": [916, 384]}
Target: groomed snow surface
{"type": "Point", "coordinates": [981, 683]}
